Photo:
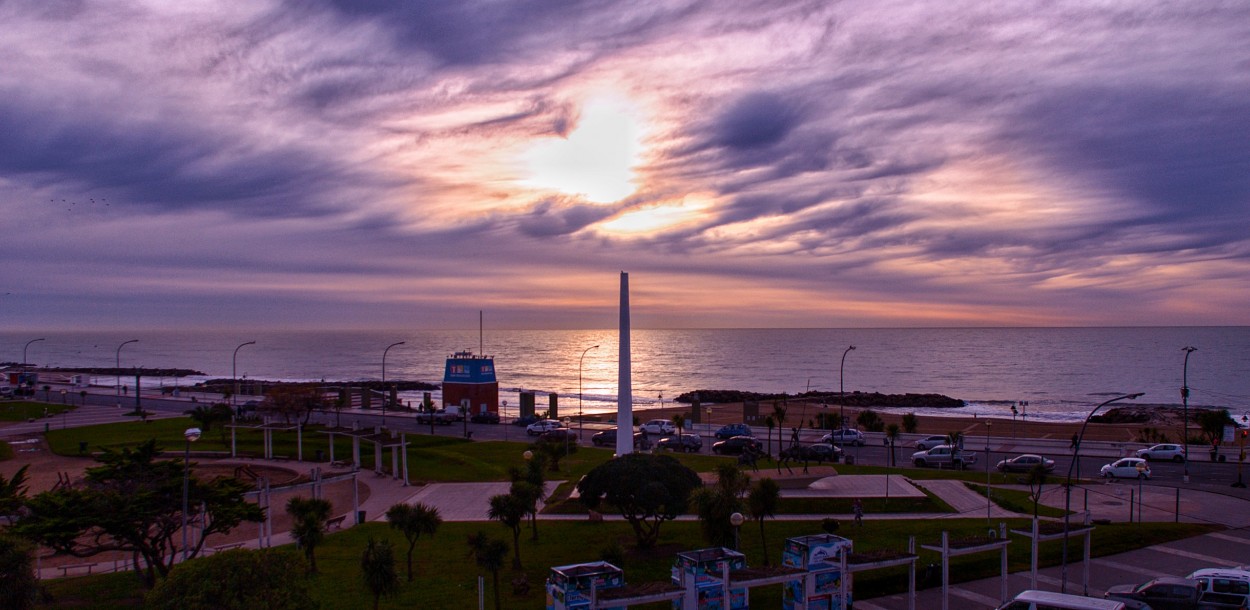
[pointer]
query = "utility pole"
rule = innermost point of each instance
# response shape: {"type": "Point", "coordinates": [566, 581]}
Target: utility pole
{"type": "Point", "coordinates": [1185, 400]}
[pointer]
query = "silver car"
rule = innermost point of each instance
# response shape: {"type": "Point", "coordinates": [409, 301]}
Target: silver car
{"type": "Point", "coordinates": [1166, 452]}
{"type": "Point", "coordinates": [1126, 468]}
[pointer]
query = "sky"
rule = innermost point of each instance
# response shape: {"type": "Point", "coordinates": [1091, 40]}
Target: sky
{"type": "Point", "coordinates": [382, 164]}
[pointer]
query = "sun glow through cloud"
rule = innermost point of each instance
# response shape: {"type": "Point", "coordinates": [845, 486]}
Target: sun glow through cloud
{"type": "Point", "coordinates": [597, 158]}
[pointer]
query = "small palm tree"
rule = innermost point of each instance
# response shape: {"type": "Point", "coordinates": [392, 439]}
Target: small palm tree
{"type": "Point", "coordinates": [378, 566]}
{"type": "Point", "coordinates": [414, 520]}
{"type": "Point", "coordinates": [771, 423]}
{"type": "Point", "coordinates": [891, 433]}
{"type": "Point", "coordinates": [488, 554]}
{"type": "Point", "coordinates": [309, 529]}
{"type": "Point", "coordinates": [763, 501]}
{"type": "Point", "coordinates": [510, 510]}
{"type": "Point", "coordinates": [679, 422]}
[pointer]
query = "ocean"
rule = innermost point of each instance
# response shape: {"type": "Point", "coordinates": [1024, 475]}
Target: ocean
{"type": "Point", "coordinates": [1060, 372]}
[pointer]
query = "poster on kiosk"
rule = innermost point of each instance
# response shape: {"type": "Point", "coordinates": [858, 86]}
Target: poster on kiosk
{"type": "Point", "coordinates": [701, 574]}
{"type": "Point", "coordinates": [569, 587]}
{"type": "Point", "coordinates": [820, 588]}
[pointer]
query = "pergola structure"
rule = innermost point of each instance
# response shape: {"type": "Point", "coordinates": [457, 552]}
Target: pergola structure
{"type": "Point", "coordinates": [862, 562]}
{"type": "Point", "coordinates": [997, 540]}
{"type": "Point", "coordinates": [1054, 531]}
{"type": "Point", "coordinates": [268, 428]}
{"type": "Point", "coordinates": [397, 443]}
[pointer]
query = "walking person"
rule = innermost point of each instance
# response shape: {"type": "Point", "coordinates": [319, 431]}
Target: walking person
{"type": "Point", "coordinates": [858, 508]}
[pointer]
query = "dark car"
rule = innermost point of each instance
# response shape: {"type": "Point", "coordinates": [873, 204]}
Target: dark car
{"type": "Point", "coordinates": [1025, 463]}
{"type": "Point", "coordinates": [733, 430]}
{"type": "Point", "coordinates": [489, 417]}
{"type": "Point", "coordinates": [821, 452]}
{"type": "Point", "coordinates": [559, 435]}
{"type": "Point", "coordinates": [735, 445]}
{"type": "Point", "coordinates": [687, 443]}
{"type": "Point", "coordinates": [525, 420]}
{"type": "Point", "coordinates": [607, 438]}
{"type": "Point", "coordinates": [1164, 593]}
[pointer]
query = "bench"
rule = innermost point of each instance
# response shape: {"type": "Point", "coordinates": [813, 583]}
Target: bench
{"type": "Point", "coordinates": [336, 523]}
{"type": "Point", "coordinates": [66, 568]}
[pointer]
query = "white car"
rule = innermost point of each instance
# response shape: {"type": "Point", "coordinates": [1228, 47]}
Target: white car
{"type": "Point", "coordinates": [1126, 468]}
{"type": "Point", "coordinates": [844, 437]}
{"type": "Point", "coordinates": [658, 426]}
{"type": "Point", "coordinates": [930, 442]}
{"type": "Point", "coordinates": [1166, 451]}
{"type": "Point", "coordinates": [543, 425]}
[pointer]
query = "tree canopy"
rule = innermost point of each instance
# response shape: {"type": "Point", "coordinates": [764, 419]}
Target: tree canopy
{"type": "Point", "coordinates": [414, 520]}
{"type": "Point", "coordinates": [238, 579]}
{"type": "Point", "coordinates": [132, 502]}
{"type": "Point", "coordinates": [648, 489]}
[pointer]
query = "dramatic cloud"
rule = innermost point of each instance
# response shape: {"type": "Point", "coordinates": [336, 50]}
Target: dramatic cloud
{"type": "Point", "coordinates": [374, 163]}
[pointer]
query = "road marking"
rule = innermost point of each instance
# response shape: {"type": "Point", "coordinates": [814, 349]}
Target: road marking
{"type": "Point", "coordinates": [976, 597]}
{"type": "Point", "coordinates": [1124, 567]}
{"type": "Point", "coordinates": [1048, 580]}
{"type": "Point", "coordinates": [1199, 556]}
{"type": "Point", "coordinates": [867, 606]}
{"type": "Point", "coordinates": [1229, 538]}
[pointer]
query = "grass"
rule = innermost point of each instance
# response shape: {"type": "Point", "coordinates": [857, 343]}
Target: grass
{"type": "Point", "coordinates": [23, 410]}
{"type": "Point", "coordinates": [446, 577]}
{"type": "Point", "coordinates": [6, 451]}
{"type": "Point", "coordinates": [1017, 500]}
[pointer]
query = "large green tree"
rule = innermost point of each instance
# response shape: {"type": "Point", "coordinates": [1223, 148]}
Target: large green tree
{"type": "Point", "coordinates": [238, 579]}
{"type": "Point", "coordinates": [132, 502]}
{"type": "Point", "coordinates": [309, 526]}
{"type": "Point", "coordinates": [715, 504]}
{"type": "Point", "coordinates": [414, 520]}
{"type": "Point", "coordinates": [648, 489]}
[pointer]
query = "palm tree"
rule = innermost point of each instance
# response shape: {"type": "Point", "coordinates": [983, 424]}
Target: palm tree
{"type": "Point", "coordinates": [510, 510]}
{"type": "Point", "coordinates": [414, 520]}
{"type": "Point", "coordinates": [771, 423]}
{"type": "Point", "coordinates": [378, 566]}
{"type": "Point", "coordinates": [489, 554]}
{"type": "Point", "coordinates": [763, 501]}
{"type": "Point", "coordinates": [309, 529]}
{"type": "Point", "coordinates": [534, 490]}
{"type": "Point", "coordinates": [679, 422]}
{"type": "Point", "coordinates": [891, 433]}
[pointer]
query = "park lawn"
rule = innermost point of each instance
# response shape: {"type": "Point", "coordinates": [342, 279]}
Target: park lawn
{"type": "Point", "coordinates": [6, 451]}
{"type": "Point", "coordinates": [446, 577]}
{"type": "Point", "coordinates": [1017, 500]}
{"type": "Point", "coordinates": [23, 410]}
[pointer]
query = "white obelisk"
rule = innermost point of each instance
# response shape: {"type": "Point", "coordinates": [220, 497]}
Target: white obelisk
{"type": "Point", "coordinates": [624, 380]}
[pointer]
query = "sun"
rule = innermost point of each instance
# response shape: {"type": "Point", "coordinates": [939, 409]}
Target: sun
{"type": "Point", "coordinates": [597, 159]}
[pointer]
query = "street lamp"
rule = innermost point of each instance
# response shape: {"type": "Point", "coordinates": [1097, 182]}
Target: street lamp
{"type": "Point", "coordinates": [1067, 502]}
{"type": "Point", "coordinates": [192, 435]}
{"type": "Point", "coordinates": [24, 351]}
{"type": "Point", "coordinates": [119, 368]}
{"type": "Point", "coordinates": [234, 370]}
{"type": "Point", "coordinates": [989, 496]}
{"type": "Point", "coordinates": [842, 390]}
{"type": "Point", "coordinates": [581, 421]}
{"type": "Point", "coordinates": [736, 520]}
{"type": "Point", "coordinates": [1185, 400]}
{"type": "Point", "coordinates": [388, 348]}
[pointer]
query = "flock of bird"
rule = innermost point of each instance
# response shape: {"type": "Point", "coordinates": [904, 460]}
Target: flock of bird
{"type": "Point", "coordinates": [90, 200]}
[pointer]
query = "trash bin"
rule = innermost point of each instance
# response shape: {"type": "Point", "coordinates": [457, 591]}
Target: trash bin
{"type": "Point", "coordinates": [360, 517]}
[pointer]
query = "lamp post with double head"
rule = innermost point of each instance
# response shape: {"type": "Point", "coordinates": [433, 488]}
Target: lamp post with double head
{"type": "Point", "coordinates": [118, 365]}
{"type": "Point", "coordinates": [191, 435]}
{"type": "Point", "coordinates": [1067, 501]}
{"type": "Point", "coordinates": [385, 395]}
{"type": "Point", "coordinates": [234, 370]}
{"type": "Point", "coordinates": [842, 389]}
{"type": "Point", "coordinates": [1185, 401]}
{"type": "Point", "coordinates": [580, 420]}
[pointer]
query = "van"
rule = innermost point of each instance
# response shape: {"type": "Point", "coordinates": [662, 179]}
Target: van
{"type": "Point", "coordinates": [1229, 581]}
{"type": "Point", "coordinates": [1049, 600]}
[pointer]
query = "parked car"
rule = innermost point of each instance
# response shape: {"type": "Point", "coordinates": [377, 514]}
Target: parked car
{"type": "Point", "coordinates": [687, 443]}
{"type": "Point", "coordinates": [658, 426]}
{"type": "Point", "coordinates": [821, 452]}
{"type": "Point", "coordinates": [1165, 451]}
{"type": "Point", "coordinates": [1126, 468]}
{"type": "Point", "coordinates": [735, 445]}
{"type": "Point", "coordinates": [1025, 463]}
{"type": "Point", "coordinates": [607, 438]}
{"type": "Point", "coordinates": [543, 425]}
{"type": "Point", "coordinates": [439, 417]}
{"type": "Point", "coordinates": [1229, 581]}
{"type": "Point", "coordinates": [489, 417]}
{"type": "Point", "coordinates": [944, 456]}
{"type": "Point", "coordinates": [1048, 600]}
{"type": "Point", "coordinates": [733, 430]}
{"type": "Point", "coordinates": [846, 436]}
{"type": "Point", "coordinates": [525, 420]}
{"type": "Point", "coordinates": [1171, 593]}
{"type": "Point", "coordinates": [930, 442]}
{"type": "Point", "coordinates": [559, 435]}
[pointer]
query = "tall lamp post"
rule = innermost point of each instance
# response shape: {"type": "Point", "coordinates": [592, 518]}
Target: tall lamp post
{"type": "Point", "coordinates": [118, 364]}
{"type": "Point", "coordinates": [388, 348]}
{"type": "Point", "coordinates": [192, 435]}
{"type": "Point", "coordinates": [580, 420]}
{"type": "Point", "coordinates": [24, 351]}
{"type": "Point", "coordinates": [234, 370]}
{"type": "Point", "coordinates": [1067, 501]}
{"type": "Point", "coordinates": [1185, 401]}
{"type": "Point", "coordinates": [842, 389]}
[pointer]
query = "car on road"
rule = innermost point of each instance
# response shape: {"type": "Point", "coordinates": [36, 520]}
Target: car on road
{"type": "Point", "coordinates": [732, 430]}
{"type": "Point", "coordinates": [1162, 452]}
{"type": "Point", "coordinates": [846, 436]}
{"type": "Point", "coordinates": [658, 426]}
{"type": "Point", "coordinates": [821, 452]}
{"type": "Point", "coordinates": [525, 420]}
{"type": "Point", "coordinates": [1126, 468]}
{"type": "Point", "coordinates": [686, 443]}
{"type": "Point", "coordinates": [607, 438]}
{"type": "Point", "coordinates": [543, 425]}
{"type": "Point", "coordinates": [1172, 593]}
{"type": "Point", "coordinates": [559, 435]}
{"type": "Point", "coordinates": [930, 442]}
{"type": "Point", "coordinates": [439, 417]}
{"type": "Point", "coordinates": [1229, 581]}
{"type": "Point", "coordinates": [1050, 600]}
{"type": "Point", "coordinates": [489, 417]}
{"type": "Point", "coordinates": [944, 456]}
{"type": "Point", "coordinates": [1025, 463]}
{"type": "Point", "coordinates": [735, 445]}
